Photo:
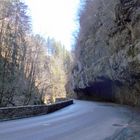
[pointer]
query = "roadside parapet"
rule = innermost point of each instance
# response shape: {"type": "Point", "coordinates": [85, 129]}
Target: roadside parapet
{"type": "Point", "coordinates": [9, 113]}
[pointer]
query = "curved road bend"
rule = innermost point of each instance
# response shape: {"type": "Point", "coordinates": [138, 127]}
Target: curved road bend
{"type": "Point", "coordinates": [83, 120]}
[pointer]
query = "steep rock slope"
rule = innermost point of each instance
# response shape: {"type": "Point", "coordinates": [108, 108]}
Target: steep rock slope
{"type": "Point", "coordinates": [107, 53]}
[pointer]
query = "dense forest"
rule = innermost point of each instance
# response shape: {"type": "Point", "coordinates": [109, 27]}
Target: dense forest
{"type": "Point", "coordinates": [32, 70]}
{"type": "Point", "coordinates": [107, 53]}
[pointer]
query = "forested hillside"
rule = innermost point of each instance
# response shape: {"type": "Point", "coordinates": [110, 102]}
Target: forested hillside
{"type": "Point", "coordinates": [107, 54]}
{"type": "Point", "coordinates": [32, 70]}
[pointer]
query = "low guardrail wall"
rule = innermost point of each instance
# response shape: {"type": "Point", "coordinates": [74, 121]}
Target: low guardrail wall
{"type": "Point", "coordinates": [8, 113]}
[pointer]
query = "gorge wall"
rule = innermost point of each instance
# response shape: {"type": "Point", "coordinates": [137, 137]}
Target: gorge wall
{"type": "Point", "coordinates": [107, 54]}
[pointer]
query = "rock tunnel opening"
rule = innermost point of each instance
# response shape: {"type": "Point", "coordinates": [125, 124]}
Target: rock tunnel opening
{"type": "Point", "coordinates": [102, 89]}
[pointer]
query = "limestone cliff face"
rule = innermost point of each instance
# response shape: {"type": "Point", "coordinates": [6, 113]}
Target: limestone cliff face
{"type": "Point", "coordinates": [108, 51]}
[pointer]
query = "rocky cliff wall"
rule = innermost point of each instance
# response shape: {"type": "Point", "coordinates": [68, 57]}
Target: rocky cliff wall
{"type": "Point", "coordinates": [107, 63]}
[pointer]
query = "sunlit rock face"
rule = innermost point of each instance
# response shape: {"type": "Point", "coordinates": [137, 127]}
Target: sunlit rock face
{"type": "Point", "coordinates": [108, 51]}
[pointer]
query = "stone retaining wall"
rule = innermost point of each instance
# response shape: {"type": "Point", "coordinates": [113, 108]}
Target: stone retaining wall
{"type": "Point", "coordinates": [8, 113]}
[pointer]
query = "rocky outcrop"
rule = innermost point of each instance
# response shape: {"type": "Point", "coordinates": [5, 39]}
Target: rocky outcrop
{"type": "Point", "coordinates": [108, 51]}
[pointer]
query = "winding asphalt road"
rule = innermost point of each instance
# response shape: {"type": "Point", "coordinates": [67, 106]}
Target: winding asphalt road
{"type": "Point", "coordinates": [83, 120]}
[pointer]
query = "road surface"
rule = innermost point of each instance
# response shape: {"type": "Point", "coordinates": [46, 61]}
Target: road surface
{"type": "Point", "coordinates": [81, 121]}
